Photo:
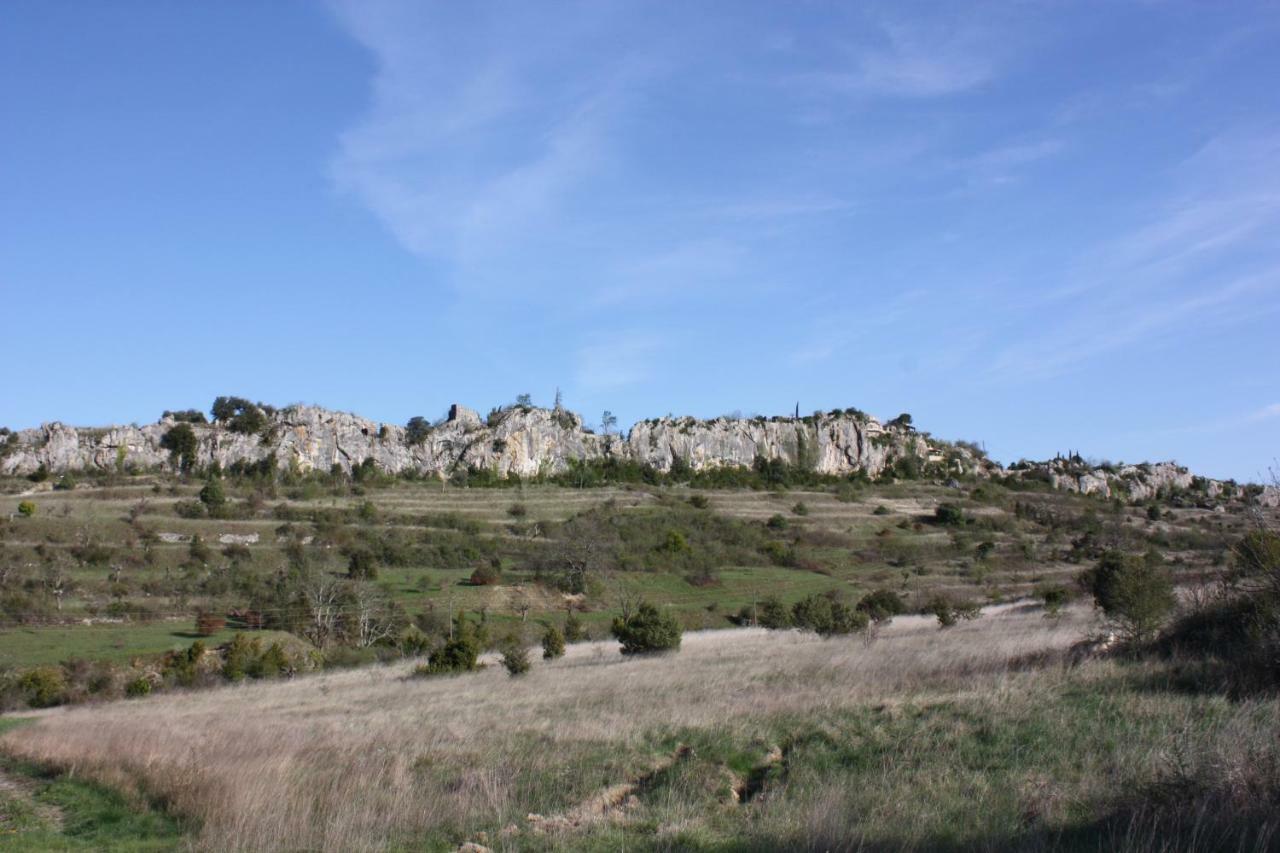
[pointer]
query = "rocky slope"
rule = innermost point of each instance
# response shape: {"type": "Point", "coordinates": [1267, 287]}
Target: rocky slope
{"type": "Point", "coordinates": [528, 441]}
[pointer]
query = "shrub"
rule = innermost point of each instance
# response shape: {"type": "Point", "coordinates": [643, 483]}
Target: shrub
{"type": "Point", "coordinates": [515, 657]}
{"type": "Point", "coordinates": [1054, 597]}
{"type": "Point", "coordinates": [647, 630]}
{"type": "Point", "coordinates": [362, 565]}
{"type": "Point", "coordinates": [138, 687]}
{"type": "Point", "coordinates": [188, 509]}
{"type": "Point", "coordinates": [26, 509]}
{"type": "Point", "coordinates": [574, 632]}
{"type": "Point", "coordinates": [486, 575]}
{"type": "Point", "coordinates": [949, 514]}
{"type": "Point", "coordinates": [880, 509]}
{"type": "Point", "coordinates": [800, 508]}
{"type": "Point", "coordinates": [208, 624]}
{"type": "Point", "coordinates": [212, 496]}
{"type": "Point", "coordinates": [517, 510]}
{"type": "Point", "coordinates": [949, 611]}
{"type": "Point", "coordinates": [882, 605]}
{"type": "Point", "coordinates": [459, 653]}
{"type": "Point", "coordinates": [827, 616]}
{"type": "Point", "coordinates": [1136, 593]}
{"type": "Point", "coordinates": [776, 522]}
{"type": "Point", "coordinates": [43, 687]}
{"type": "Point", "coordinates": [552, 643]}
{"type": "Point", "coordinates": [699, 501]}
{"type": "Point", "coordinates": [773, 614]}
{"type": "Point", "coordinates": [1153, 512]}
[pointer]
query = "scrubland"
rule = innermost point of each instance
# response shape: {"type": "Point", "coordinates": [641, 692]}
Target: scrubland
{"type": "Point", "coordinates": [988, 735]}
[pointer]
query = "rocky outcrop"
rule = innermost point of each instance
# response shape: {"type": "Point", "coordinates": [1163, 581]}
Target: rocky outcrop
{"type": "Point", "coordinates": [527, 441]}
{"type": "Point", "coordinates": [521, 440]}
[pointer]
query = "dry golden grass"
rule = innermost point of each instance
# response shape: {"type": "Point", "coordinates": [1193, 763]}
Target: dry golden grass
{"type": "Point", "coordinates": [366, 759]}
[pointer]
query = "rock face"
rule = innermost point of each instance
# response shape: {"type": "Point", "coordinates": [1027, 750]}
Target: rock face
{"type": "Point", "coordinates": [527, 441]}
{"type": "Point", "coordinates": [521, 440]}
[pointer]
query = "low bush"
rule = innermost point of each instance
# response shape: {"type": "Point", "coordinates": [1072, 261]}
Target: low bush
{"type": "Point", "coordinates": [882, 605]}
{"type": "Point", "coordinates": [552, 643]}
{"type": "Point", "coordinates": [950, 611]}
{"type": "Point", "coordinates": [773, 614]}
{"type": "Point", "coordinates": [827, 616]}
{"type": "Point", "coordinates": [647, 630]}
{"type": "Point", "coordinates": [515, 656]}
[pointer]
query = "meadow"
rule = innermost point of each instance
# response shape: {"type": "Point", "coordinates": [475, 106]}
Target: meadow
{"type": "Point", "coordinates": [989, 735]}
{"type": "Point", "coordinates": [1021, 728]}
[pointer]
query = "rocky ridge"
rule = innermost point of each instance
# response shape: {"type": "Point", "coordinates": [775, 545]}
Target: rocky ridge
{"type": "Point", "coordinates": [528, 441]}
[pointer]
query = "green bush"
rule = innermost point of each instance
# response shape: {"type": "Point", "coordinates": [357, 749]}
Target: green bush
{"type": "Point", "coordinates": [880, 509]}
{"type": "Point", "coordinates": [552, 643]}
{"type": "Point", "coordinates": [773, 614]}
{"type": "Point", "coordinates": [950, 611]}
{"type": "Point", "coordinates": [776, 522]}
{"type": "Point", "coordinates": [1054, 597]}
{"type": "Point", "coordinates": [188, 509]}
{"type": "Point", "coordinates": [362, 565]}
{"type": "Point", "coordinates": [882, 605]}
{"type": "Point", "coordinates": [138, 687]}
{"type": "Point", "coordinates": [827, 616]}
{"type": "Point", "coordinates": [212, 496]}
{"type": "Point", "coordinates": [515, 657]}
{"type": "Point", "coordinates": [1136, 593]}
{"type": "Point", "coordinates": [486, 575]}
{"type": "Point", "coordinates": [699, 501]}
{"type": "Point", "coordinates": [43, 687]}
{"type": "Point", "coordinates": [949, 514]}
{"type": "Point", "coordinates": [801, 508]}
{"type": "Point", "coordinates": [26, 509]}
{"type": "Point", "coordinates": [574, 631]}
{"type": "Point", "coordinates": [647, 630]}
{"type": "Point", "coordinates": [182, 444]}
{"type": "Point", "coordinates": [459, 653]}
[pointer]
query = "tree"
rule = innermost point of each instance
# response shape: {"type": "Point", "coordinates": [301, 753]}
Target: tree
{"type": "Point", "coordinates": [647, 630]}
{"type": "Point", "coordinates": [608, 422]}
{"type": "Point", "coordinates": [525, 401]}
{"type": "Point", "coordinates": [552, 643]}
{"type": "Point", "coordinates": [182, 444]}
{"type": "Point", "coordinates": [1136, 593]}
{"type": "Point", "coordinates": [417, 430]}
{"type": "Point", "coordinates": [212, 496]}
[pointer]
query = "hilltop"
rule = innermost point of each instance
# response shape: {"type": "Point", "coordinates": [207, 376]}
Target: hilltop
{"type": "Point", "coordinates": [530, 443]}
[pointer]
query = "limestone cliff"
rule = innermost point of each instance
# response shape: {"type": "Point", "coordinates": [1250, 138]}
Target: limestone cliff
{"type": "Point", "coordinates": [529, 441]}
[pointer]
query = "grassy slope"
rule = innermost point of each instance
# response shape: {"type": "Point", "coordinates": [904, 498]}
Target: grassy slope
{"type": "Point", "coordinates": [41, 811]}
{"type": "Point", "coordinates": [972, 738]}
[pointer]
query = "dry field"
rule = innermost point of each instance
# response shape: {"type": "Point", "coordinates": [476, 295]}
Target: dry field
{"type": "Point", "coordinates": [724, 740]}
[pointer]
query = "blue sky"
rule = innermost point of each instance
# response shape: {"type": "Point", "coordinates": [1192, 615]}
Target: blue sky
{"type": "Point", "coordinates": [1044, 225]}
